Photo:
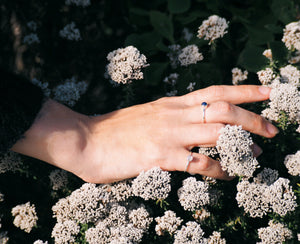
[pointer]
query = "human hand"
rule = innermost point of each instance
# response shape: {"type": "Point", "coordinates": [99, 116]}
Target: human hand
{"type": "Point", "coordinates": [123, 143]}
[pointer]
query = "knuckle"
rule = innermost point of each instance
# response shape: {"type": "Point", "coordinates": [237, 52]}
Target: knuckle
{"type": "Point", "coordinates": [216, 91]}
{"type": "Point", "coordinates": [203, 163]}
{"type": "Point", "coordinates": [224, 107]}
{"type": "Point", "coordinates": [217, 128]}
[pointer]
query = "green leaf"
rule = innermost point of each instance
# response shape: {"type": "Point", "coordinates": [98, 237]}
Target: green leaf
{"type": "Point", "coordinates": [154, 72]}
{"type": "Point", "coordinates": [162, 24]}
{"type": "Point", "coordinates": [279, 52]}
{"type": "Point", "coordinates": [178, 6]}
{"type": "Point", "coordinates": [285, 10]}
{"type": "Point", "coordinates": [259, 35]}
{"type": "Point", "coordinates": [252, 59]}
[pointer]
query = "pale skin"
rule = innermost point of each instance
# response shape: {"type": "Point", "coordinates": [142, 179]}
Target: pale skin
{"type": "Point", "coordinates": [121, 144]}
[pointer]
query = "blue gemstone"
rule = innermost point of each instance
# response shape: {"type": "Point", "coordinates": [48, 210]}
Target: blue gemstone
{"type": "Point", "coordinates": [204, 104]}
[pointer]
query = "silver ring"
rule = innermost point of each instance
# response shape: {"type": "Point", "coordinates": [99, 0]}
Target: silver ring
{"type": "Point", "coordinates": [189, 159]}
{"type": "Point", "coordinates": [204, 106]}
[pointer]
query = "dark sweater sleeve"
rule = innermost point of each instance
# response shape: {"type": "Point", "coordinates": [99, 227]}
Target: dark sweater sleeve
{"type": "Point", "coordinates": [20, 102]}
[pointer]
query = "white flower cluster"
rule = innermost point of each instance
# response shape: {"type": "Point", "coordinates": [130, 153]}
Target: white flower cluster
{"type": "Point", "coordinates": [70, 92]}
{"type": "Point", "coordinates": [1, 199]}
{"type": "Point", "coordinates": [3, 237]}
{"type": "Point", "coordinates": [292, 163]}
{"type": "Point", "coordinates": [175, 50]}
{"type": "Point", "coordinates": [295, 58]}
{"type": "Point", "coordinates": [152, 184]}
{"type": "Point", "coordinates": [235, 152]}
{"type": "Point", "coordinates": [268, 54]}
{"type": "Point", "coordinates": [266, 176]}
{"type": "Point", "coordinates": [258, 199]}
{"type": "Point", "coordinates": [266, 76]}
{"type": "Point", "coordinates": [193, 194]}
{"type": "Point", "coordinates": [201, 214]}
{"type": "Point", "coordinates": [208, 151]}
{"type": "Point", "coordinates": [125, 64]}
{"type": "Point", "coordinates": [167, 223]}
{"type": "Point", "coordinates": [120, 191]}
{"type": "Point", "coordinates": [291, 35]}
{"type": "Point", "coordinates": [25, 216]}
{"type": "Point", "coordinates": [65, 232]}
{"type": "Point", "coordinates": [140, 218]}
{"type": "Point", "coordinates": [70, 32]}
{"type": "Point", "coordinates": [31, 38]}
{"type": "Point", "coordinates": [171, 79]}
{"type": "Point", "coordinates": [213, 28]}
{"type": "Point", "coordinates": [191, 86]}
{"type": "Point", "coordinates": [39, 242]}
{"type": "Point", "coordinates": [215, 238]}
{"type": "Point", "coordinates": [190, 233]}
{"type": "Point", "coordinates": [274, 233]}
{"type": "Point", "coordinates": [290, 74]}
{"type": "Point", "coordinates": [187, 35]}
{"type": "Point", "coordinates": [10, 161]}
{"type": "Point", "coordinates": [189, 55]}
{"type": "Point", "coordinates": [283, 98]}
{"type": "Point", "coordinates": [82, 3]}
{"type": "Point", "coordinates": [58, 179]}
{"type": "Point", "coordinates": [238, 75]}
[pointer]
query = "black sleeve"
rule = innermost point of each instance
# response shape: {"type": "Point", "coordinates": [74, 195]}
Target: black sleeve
{"type": "Point", "coordinates": [20, 102]}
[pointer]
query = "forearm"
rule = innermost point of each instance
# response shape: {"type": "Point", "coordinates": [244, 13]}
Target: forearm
{"type": "Point", "coordinates": [57, 136]}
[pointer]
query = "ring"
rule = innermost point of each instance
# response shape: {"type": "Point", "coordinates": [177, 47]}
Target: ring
{"type": "Point", "coordinates": [204, 106]}
{"type": "Point", "coordinates": [189, 159]}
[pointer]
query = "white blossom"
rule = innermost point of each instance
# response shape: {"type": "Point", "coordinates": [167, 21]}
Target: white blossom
{"type": "Point", "coordinates": [201, 214]}
{"type": "Point", "coordinates": [189, 55]}
{"type": "Point", "coordinates": [39, 242]}
{"type": "Point", "coordinates": [190, 233]}
{"type": "Point", "coordinates": [238, 75]}
{"type": "Point", "coordinates": [187, 35]}
{"type": "Point", "coordinates": [98, 234]}
{"type": "Point", "coordinates": [215, 238]}
{"type": "Point", "coordinates": [58, 179]}
{"type": "Point", "coordinates": [292, 163]}
{"type": "Point", "coordinates": [213, 28]}
{"type": "Point", "coordinates": [291, 35]}
{"type": "Point", "coordinates": [290, 74]}
{"type": "Point", "coordinates": [268, 54]}
{"type": "Point", "coordinates": [266, 176]}
{"type": "Point", "coordinates": [10, 162]}
{"type": "Point", "coordinates": [125, 65]}
{"type": "Point", "coordinates": [171, 79]}
{"type": "Point", "coordinates": [3, 237]}
{"type": "Point", "coordinates": [173, 54]}
{"type": "Point", "coordinates": [152, 184]}
{"type": "Point", "coordinates": [70, 32]}
{"type": "Point", "coordinates": [25, 216]}
{"type": "Point", "coordinates": [140, 218]}
{"type": "Point", "coordinates": [167, 223]}
{"type": "Point", "coordinates": [65, 232]}
{"type": "Point", "coordinates": [266, 76]}
{"type": "Point", "coordinates": [191, 86]}
{"type": "Point", "coordinates": [171, 93]}
{"type": "Point", "coordinates": [295, 58]}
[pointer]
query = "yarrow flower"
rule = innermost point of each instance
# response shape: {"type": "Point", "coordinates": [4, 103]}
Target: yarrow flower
{"type": "Point", "coordinates": [291, 35]}
{"type": "Point", "coordinates": [193, 194]}
{"type": "Point", "coordinates": [58, 179]}
{"type": "Point", "coordinates": [235, 152]}
{"type": "Point", "coordinates": [266, 76]}
{"type": "Point", "coordinates": [190, 233]}
{"type": "Point", "coordinates": [70, 32]}
{"type": "Point", "coordinates": [201, 214]}
{"type": "Point", "coordinates": [191, 86]}
{"type": "Point", "coordinates": [268, 54]}
{"type": "Point", "coordinates": [65, 232]}
{"type": "Point", "coordinates": [213, 28]}
{"type": "Point", "coordinates": [125, 65]}
{"type": "Point", "coordinates": [39, 242]}
{"type": "Point", "coordinates": [290, 74]}
{"type": "Point", "coordinates": [173, 54]}
{"type": "Point", "coordinates": [292, 163]}
{"type": "Point", "coordinates": [283, 98]}
{"type": "Point", "coordinates": [140, 218]}
{"type": "Point", "coordinates": [69, 92]}
{"type": "Point", "coordinates": [83, 3]}
{"type": "Point", "coordinates": [187, 35]}
{"type": "Point", "coordinates": [274, 233]}
{"type": "Point", "coordinates": [266, 176]}
{"type": "Point", "coordinates": [25, 216]}
{"type": "Point", "coordinates": [189, 55]}
{"type": "Point", "coordinates": [215, 238]}
{"type": "Point", "coordinates": [152, 184]}
{"type": "Point", "coordinates": [167, 223]}
{"type": "Point", "coordinates": [238, 75]}
{"type": "Point", "coordinates": [171, 79]}
{"type": "Point", "coordinates": [295, 58]}
{"type": "Point", "coordinates": [10, 162]}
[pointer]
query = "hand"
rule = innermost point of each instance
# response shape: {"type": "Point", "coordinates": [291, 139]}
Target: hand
{"type": "Point", "coordinates": [121, 144]}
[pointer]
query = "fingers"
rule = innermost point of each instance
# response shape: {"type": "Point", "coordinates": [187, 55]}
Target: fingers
{"type": "Point", "coordinates": [226, 113]}
{"type": "Point", "coordinates": [200, 164]}
{"type": "Point", "coordinates": [232, 94]}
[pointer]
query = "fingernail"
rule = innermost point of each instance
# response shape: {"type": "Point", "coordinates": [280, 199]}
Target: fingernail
{"type": "Point", "coordinates": [264, 90]}
{"type": "Point", "coordinates": [256, 150]}
{"type": "Point", "coordinates": [272, 129]}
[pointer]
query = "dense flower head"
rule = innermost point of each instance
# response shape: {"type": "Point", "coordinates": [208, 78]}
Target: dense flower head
{"type": "Point", "coordinates": [171, 79]}
{"type": "Point", "coordinates": [212, 28]}
{"type": "Point", "coordinates": [190, 233]}
{"type": "Point", "coordinates": [290, 74]}
{"type": "Point", "coordinates": [215, 238]}
{"type": "Point", "coordinates": [98, 234]}
{"type": "Point", "coordinates": [274, 233]}
{"type": "Point", "coordinates": [292, 163]}
{"type": "Point", "coordinates": [201, 214]}
{"type": "Point", "coordinates": [70, 32]}
{"type": "Point", "coordinates": [291, 35]}
{"type": "Point", "coordinates": [268, 54]}
{"type": "Point", "coordinates": [125, 64]}
{"type": "Point", "coordinates": [238, 75]}
{"type": "Point", "coordinates": [39, 242]}
{"type": "Point", "coordinates": [174, 51]}
{"type": "Point", "coordinates": [140, 218]}
{"type": "Point", "coordinates": [10, 162]}
{"type": "Point", "coordinates": [253, 198]}
{"type": "Point", "coordinates": [120, 191]}
{"type": "Point", "coordinates": [25, 216]}
{"type": "Point", "coordinates": [65, 232]}
{"type": "Point", "coordinates": [70, 92]}
{"type": "Point", "coordinates": [189, 55]}
{"type": "Point", "coordinates": [295, 58]}
{"type": "Point", "coordinates": [266, 76]}
{"type": "Point", "coordinates": [167, 223]}
{"type": "Point", "coordinates": [193, 194]}
{"type": "Point", "coordinates": [187, 35]}
{"type": "Point", "coordinates": [235, 152]}
{"type": "Point", "coordinates": [283, 98]}
{"type": "Point", "coordinates": [152, 184]}
{"type": "Point", "coordinates": [3, 237]}
{"type": "Point", "coordinates": [191, 86]}
{"type": "Point", "coordinates": [58, 179]}
{"type": "Point", "coordinates": [266, 176]}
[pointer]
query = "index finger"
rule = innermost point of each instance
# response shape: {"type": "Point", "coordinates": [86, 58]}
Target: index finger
{"type": "Point", "coordinates": [232, 94]}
